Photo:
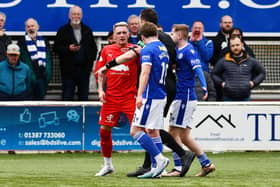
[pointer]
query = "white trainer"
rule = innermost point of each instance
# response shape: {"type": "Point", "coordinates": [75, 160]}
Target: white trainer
{"type": "Point", "coordinates": [160, 167]}
{"type": "Point", "coordinates": [105, 171]}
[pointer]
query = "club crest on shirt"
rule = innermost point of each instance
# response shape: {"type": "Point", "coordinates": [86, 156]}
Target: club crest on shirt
{"type": "Point", "coordinates": [180, 55]}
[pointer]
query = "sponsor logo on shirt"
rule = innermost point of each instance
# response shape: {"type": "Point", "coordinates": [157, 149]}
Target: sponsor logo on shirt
{"type": "Point", "coordinates": [120, 67]}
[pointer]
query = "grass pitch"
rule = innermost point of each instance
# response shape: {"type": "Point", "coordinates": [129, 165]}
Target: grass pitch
{"type": "Point", "coordinates": [261, 169]}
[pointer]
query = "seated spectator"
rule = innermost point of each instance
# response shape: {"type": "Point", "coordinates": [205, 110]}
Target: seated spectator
{"type": "Point", "coordinates": [237, 32]}
{"type": "Point", "coordinates": [14, 76]}
{"type": "Point", "coordinates": [237, 72]}
{"type": "Point", "coordinates": [35, 52]}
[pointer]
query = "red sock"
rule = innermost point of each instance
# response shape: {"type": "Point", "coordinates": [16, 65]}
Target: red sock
{"type": "Point", "coordinates": [106, 142]}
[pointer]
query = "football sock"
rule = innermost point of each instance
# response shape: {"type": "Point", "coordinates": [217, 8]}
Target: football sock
{"type": "Point", "coordinates": [147, 143]}
{"type": "Point", "coordinates": [170, 142]}
{"type": "Point", "coordinates": [108, 162]}
{"type": "Point", "coordinates": [147, 161]}
{"type": "Point", "coordinates": [177, 161]}
{"type": "Point", "coordinates": [203, 159]}
{"type": "Point", "coordinates": [158, 143]}
{"type": "Point", "coordinates": [106, 142]}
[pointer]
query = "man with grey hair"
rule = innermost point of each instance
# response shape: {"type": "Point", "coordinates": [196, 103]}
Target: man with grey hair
{"type": "Point", "coordinates": [133, 26]}
{"type": "Point", "coordinates": [35, 52]}
{"type": "Point", "coordinates": [77, 50]}
{"type": "Point", "coordinates": [4, 39]}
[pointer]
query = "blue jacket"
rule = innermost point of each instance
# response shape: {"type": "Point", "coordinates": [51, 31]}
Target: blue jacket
{"type": "Point", "coordinates": [14, 80]}
{"type": "Point", "coordinates": [205, 49]}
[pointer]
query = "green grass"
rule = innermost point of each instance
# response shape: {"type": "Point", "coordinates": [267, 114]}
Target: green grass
{"type": "Point", "coordinates": [78, 169]}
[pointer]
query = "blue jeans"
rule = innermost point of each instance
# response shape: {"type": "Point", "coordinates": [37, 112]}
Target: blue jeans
{"type": "Point", "coordinates": [69, 86]}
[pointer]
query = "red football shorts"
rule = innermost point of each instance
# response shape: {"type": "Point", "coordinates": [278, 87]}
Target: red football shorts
{"type": "Point", "coordinates": [112, 108]}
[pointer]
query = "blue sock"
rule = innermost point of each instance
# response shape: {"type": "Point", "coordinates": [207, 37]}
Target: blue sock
{"type": "Point", "coordinates": [177, 160]}
{"type": "Point", "coordinates": [157, 141]}
{"type": "Point", "coordinates": [203, 159]}
{"type": "Point", "coordinates": [147, 143]}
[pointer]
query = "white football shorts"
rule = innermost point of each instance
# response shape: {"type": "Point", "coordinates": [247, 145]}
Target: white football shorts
{"type": "Point", "coordinates": [150, 115]}
{"type": "Point", "coordinates": [181, 113]}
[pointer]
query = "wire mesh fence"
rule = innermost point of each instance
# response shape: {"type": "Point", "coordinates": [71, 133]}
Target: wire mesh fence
{"type": "Point", "coordinates": [267, 52]}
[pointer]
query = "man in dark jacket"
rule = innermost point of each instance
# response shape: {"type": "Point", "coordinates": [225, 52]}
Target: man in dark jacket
{"type": "Point", "coordinates": [237, 73]}
{"type": "Point", "coordinates": [220, 43]}
{"type": "Point", "coordinates": [77, 50]}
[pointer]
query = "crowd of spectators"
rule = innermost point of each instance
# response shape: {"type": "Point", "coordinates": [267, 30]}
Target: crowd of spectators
{"type": "Point", "coordinates": [77, 51]}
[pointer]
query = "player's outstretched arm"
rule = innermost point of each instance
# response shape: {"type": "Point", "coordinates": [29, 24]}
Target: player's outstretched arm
{"type": "Point", "coordinates": [203, 85]}
{"type": "Point", "coordinates": [127, 56]}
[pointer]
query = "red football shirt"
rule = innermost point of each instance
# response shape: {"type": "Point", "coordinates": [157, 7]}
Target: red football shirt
{"type": "Point", "coordinates": [121, 80]}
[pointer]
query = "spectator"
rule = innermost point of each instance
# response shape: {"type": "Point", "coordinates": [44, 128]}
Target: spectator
{"type": "Point", "coordinates": [77, 50]}
{"type": "Point", "coordinates": [237, 32]}
{"type": "Point", "coordinates": [133, 26]}
{"type": "Point", "coordinates": [220, 43]}
{"type": "Point", "coordinates": [237, 72]}
{"type": "Point", "coordinates": [4, 39]}
{"type": "Point", "coordinates": [14, 76]}
{"type": "Point", "coordinates": [110, 38]}
{"type": "Point", "coordinates": [35, 52]}
{"type": "Point", "coordinates": [204, 49]}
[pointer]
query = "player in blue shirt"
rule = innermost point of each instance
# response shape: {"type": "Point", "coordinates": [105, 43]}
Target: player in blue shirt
{"type": "Point", "coordinates": [151, 99]}
{"type": "Point", "coordinates": [184, 104]}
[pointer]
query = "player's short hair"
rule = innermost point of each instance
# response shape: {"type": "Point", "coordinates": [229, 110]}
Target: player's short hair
{"type": "Point", "coordinates": [150, 15]}
{"type": "Point", "coordinates": [148, 29]}
{"type": "Point", "coordinates": [183, 28]}
{"type": "Point", "coordinates": [120, 24]}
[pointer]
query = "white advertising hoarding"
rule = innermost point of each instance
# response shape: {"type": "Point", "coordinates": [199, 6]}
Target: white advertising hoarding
{"type": "Point", "coordinates": [237, 126]}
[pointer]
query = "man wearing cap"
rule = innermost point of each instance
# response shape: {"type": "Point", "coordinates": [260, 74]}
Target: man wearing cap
{"type": "Point", "coordinates": [14, 76]}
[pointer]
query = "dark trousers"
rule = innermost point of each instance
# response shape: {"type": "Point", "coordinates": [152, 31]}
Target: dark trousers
{"type": "Point", "coordinates": [20, 97]}
{"type": "Point", "coordinates": [69, 86]}
{"type": "Point", "coordinates": [39, 89]}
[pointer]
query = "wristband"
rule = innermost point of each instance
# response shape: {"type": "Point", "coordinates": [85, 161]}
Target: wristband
{"type": "Point", "coordinates": [133, 49]}
{"type": "Point", "coordinates": [111, 64]}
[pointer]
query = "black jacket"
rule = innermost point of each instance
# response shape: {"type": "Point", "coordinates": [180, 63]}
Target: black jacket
{"type": "Point", "coordinates": [68, 60]}
{"type": "Point", "coordinates": [220, 42]}
{"type": "Point", "coordinates": [238, 75]}
{"type": "Point", "coordinates": [4, 42]}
